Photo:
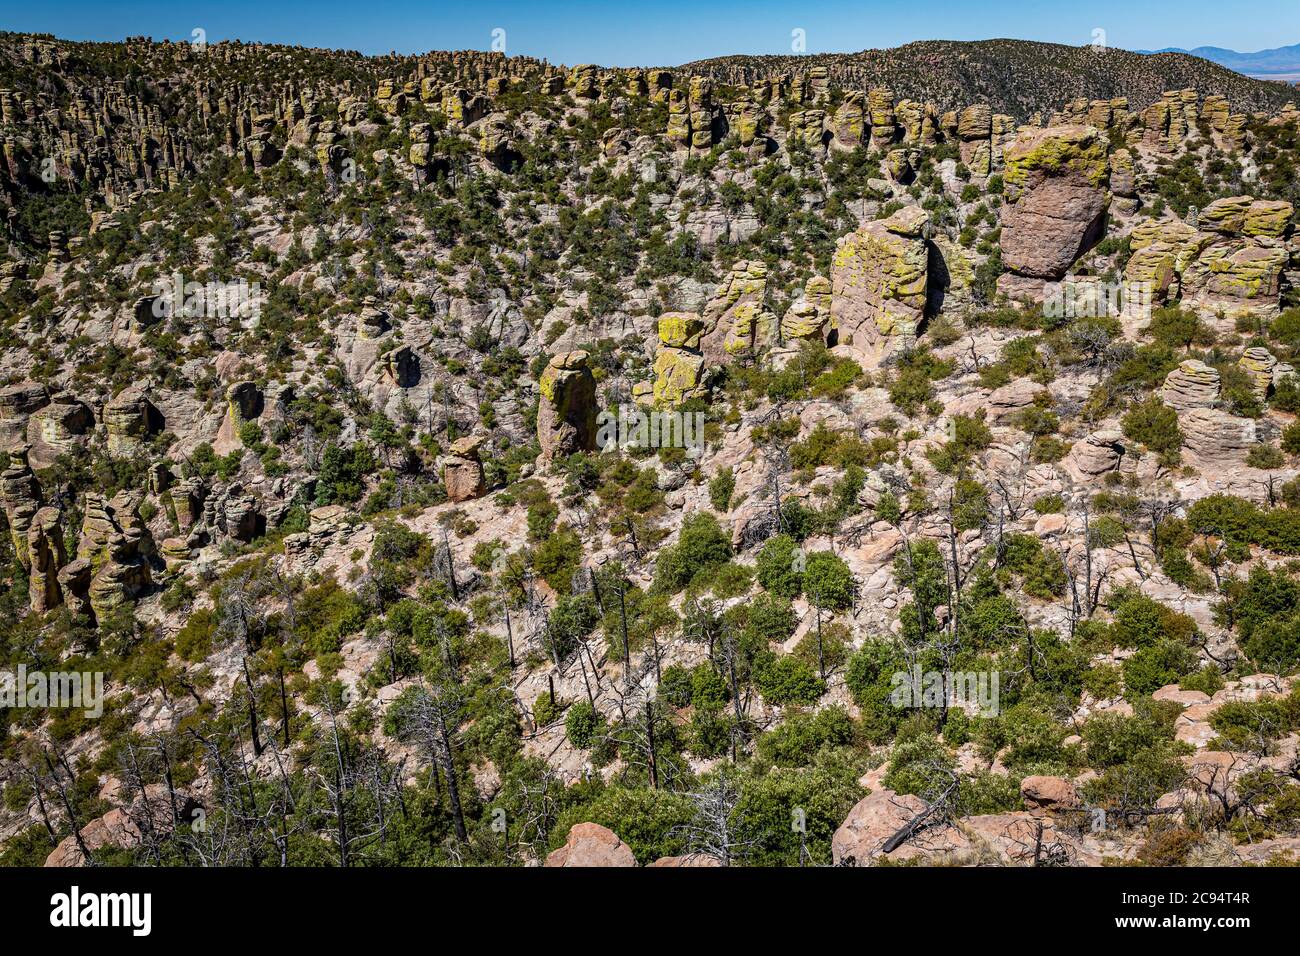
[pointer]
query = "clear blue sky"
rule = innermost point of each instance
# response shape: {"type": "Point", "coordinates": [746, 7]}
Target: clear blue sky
{"type": "Point", "coordinates": [665, 32]}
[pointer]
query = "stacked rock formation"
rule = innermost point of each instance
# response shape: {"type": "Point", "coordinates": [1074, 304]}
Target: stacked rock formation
{"type": "Point", "coordinates": [1258, 364]}
{"type": "Point", "coordinates": [735, 319]}
{"type": "Point", "coordinates": [1238, 268]}
{"type": "Point", "coordinates": [462, 473]}
{"type": "Point", "coordinates": [878, 283]}
{"type": "Point", "coordinates": [809, 317]}
{"type": "Point", "coordinates": [1192, 385]}
{"type": "Point", "coordinates": [679, 364]}
{"type": "Point", "coordinates": [566, 415]}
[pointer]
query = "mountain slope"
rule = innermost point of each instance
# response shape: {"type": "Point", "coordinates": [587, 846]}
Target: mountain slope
{"type": "Point", "coordinates": [1017, 77]}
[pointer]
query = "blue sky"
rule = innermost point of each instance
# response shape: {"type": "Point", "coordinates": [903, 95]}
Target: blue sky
{"type": "Point", "coordinates": [665, 32]}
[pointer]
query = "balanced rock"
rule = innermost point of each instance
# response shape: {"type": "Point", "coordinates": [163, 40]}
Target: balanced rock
{"type": "Point", "coordinates": [463, 472]}
{"type": "Point", "coordinates": [1057, 198]}
{"type": "Point", "coordinates": [566, 416]}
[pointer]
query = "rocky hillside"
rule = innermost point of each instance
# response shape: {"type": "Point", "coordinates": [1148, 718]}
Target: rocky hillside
{"type": "Point", "coordinates": [1017, 77]}
{"type": "Point", "coordinates": [456, 459]}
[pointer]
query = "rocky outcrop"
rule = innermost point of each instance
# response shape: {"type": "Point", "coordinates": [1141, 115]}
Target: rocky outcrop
{"type": "Point", "coordinates": [735, 319]}
{"type": "Point", "coordinates": [1096, 454]}
{"type": "Point", "coordinates": [129, 419]}
{"type": "Point", "coordinates": [1214, 435]}
{"type": "Point", "coordinates": [878, 285]}
{"type": "Point", "coordinates": [46, 554]}
{"type": "Point", "coordinates": [1056, 179]}
{"type": "Point", "coordinates": [122, 577]}
{"type": "Point", "coordinates": [21, 494]}
{"type": "Point", "coordinates": [462, 474]}
{"type": "Point", "coordinates": [17, 403]}
{"type": "Point", "coordinates": [1192, 385]}
{"type": "Point", "coordinates": [809, 317]}
{"type": "Point", "coordinates": [679, 364]}
{"type": "Point", "coordinates": [1258, 364]}
{"type": "Point", "coordinates": [590, 844]}
{"type": "Point", "coordinates": [566, 415]}
{"type": "Point", "coordinates": [63, 427]}
{"type": "Point", "coordinates": [1238, 268]}
{"type": "Point", "coordinates": [1161, 251]}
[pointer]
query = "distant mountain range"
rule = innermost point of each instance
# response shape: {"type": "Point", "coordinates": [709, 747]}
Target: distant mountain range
{"type": "Point", "coordinates": [1017, 77]}
{"type": "Point", "coordinates": [1282, 63]}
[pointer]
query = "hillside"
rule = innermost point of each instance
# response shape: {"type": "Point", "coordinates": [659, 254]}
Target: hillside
{"type": "Point", "coordinates": [1017, 77]}
{"type": "Point", "coordinates": [459, 460]}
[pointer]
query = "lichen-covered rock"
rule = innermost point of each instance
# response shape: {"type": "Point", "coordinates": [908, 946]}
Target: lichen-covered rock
{"type": "Point", "coordinates": [566, 415]}
{"type": "Point", "coordinates": [1236, 277]}
{"type": "Point", "coordinates": [129, 419]}
{"type": "Point", "coordinates": [679, 366]}
{"type": "Point", "coordinates": [809, 317]}
{"type": "Point", "coordinates": [735, 320]}
{"type": "Point", "coordinates": [1123, 175]}
{"type": "Point", "coordinates": [21, 495]}
{"type": "Point", "coordinates": [1057, 198]}
{"type": "Point", "coordinates": [1258, 364]}
{"type": "Point", "coordinates": [46, 554]}
{"type": "Point", "coordinates": [462, 474]}
{"type": "Point", "coordinates": [1161, 251]}
{"type": "Point", "coordinates": [1247, 216]}
{"type": "Point", "coordinates": [878, 283]}
{"type": "Point", "coordinates": [849, 122]}
{"type": "Point", "coordinates": [122, 577]}
{"type": "Point", "coordinates": [1192, 385]}
{"type": "Point", "coordinates": [951, 276]}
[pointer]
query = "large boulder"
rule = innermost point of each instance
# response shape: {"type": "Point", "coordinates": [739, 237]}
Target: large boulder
{"type": "Point", "coordinates": [878, 286]}
{"type": "Point", "coordinates": [590, 844]}
{"type": "Point", "coordinates": [1056, 180]}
